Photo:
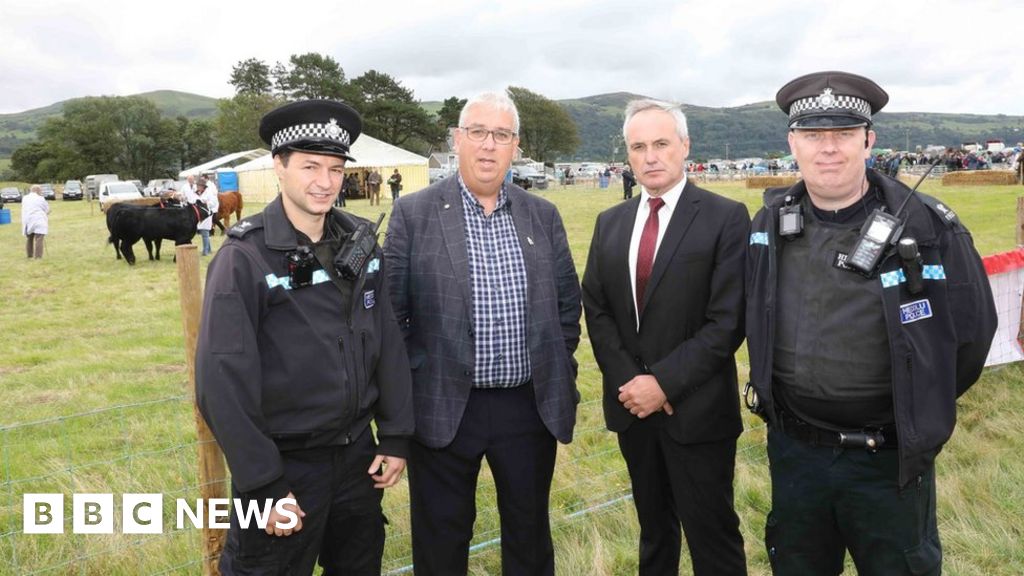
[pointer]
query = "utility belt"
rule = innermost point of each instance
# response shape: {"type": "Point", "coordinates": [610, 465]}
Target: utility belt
{"type": "Point", "coordinates": [870, 438]}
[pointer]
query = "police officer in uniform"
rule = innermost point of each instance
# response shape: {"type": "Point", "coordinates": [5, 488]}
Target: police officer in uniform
{"type": "Point", "coordinates": [299, 350]}
{"type": "Point", "coordinates": [858, 348]}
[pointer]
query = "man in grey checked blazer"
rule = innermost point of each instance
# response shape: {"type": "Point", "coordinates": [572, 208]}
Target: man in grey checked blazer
{"type": "Point", "coordinates": [485, 290]}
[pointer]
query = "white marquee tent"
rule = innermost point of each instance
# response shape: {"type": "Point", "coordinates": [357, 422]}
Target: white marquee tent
{"type": "Point", "coordinates": [257, 181]}
{"type": "Point", "coordinates": [224, 162]}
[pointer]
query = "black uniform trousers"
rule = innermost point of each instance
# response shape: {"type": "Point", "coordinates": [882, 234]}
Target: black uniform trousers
{"type": "Point", "coordinates": [687, 485]}
{"type": "Point", "coordinates": [826, 500]}
{"type": "Point", "coordinates": [504, 426]}
{"type": "Point", "coordinates": [344, 523]}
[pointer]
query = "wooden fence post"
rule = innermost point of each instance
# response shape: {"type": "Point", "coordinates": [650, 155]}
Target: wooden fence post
{"type": "Point", "coordinates": [1020, 221]}
{"type": "Point", "coordinates": [212, 472]}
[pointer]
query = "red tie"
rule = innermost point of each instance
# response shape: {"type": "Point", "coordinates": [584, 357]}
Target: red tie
{"type": "Point", "coordinates": [645, 256]}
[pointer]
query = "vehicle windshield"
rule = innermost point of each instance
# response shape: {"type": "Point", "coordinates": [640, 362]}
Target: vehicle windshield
{"type": "Point", "coordinates": [73, 186]}
{"type": "Point", "coordinates": [122, 188]}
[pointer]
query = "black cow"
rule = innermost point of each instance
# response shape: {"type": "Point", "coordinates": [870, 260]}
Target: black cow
{"type": "Point", "coordinates": [128, 223]}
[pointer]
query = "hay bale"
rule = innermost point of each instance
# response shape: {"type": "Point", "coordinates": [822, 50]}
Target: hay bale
{"type": "Point", "coordinates": [145, 201]}
{"type": "Point", "coordinates": [771, 181]}
{"type": "Point", "coordinates": [980, 178]}
{"type": "Point", "coordinates": [909, 179]}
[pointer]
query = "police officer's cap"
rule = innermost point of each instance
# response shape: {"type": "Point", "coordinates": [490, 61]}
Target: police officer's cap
{"type": "Point", "coordinates": [313, 126]}
{"type": "Point", "coordinates": [825, 100]}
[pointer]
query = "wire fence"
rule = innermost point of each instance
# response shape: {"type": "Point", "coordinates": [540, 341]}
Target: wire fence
{"type": "Point", "coordinates": [150, 447]}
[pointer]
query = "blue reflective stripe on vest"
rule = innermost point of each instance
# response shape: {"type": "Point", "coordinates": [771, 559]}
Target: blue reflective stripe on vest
{"type": "Point", "coordinates": [897, 277]}
{"type": "Point", "coordinates": [319, 276]}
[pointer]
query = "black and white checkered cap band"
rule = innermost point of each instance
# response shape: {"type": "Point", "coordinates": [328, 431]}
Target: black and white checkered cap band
{"type": "Point", "coordinates": [329, 131]}
{"type": "Point", "coordinates": [838, 103]}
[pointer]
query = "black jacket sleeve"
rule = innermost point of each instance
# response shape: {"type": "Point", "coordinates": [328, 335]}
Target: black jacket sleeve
{"type": "Point", "coordinates": [228, 373]}
{"type": "Point", "coordinates": [972, 305]}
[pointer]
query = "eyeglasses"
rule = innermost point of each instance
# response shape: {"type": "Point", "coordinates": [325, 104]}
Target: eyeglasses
{"type": "Point", "coordinates": [478, 134]}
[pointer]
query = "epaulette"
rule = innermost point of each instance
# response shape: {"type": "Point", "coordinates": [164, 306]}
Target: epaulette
{"type": "Point", "coordinates": [247, 225]}
{"type": "Point", "coordinates": [945, 213]}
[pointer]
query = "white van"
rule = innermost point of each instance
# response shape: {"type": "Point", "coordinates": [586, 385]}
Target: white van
{"type": "Point", "coordinates": [116, 192]}
{"type": "Point", "coordinates": [93, 182]}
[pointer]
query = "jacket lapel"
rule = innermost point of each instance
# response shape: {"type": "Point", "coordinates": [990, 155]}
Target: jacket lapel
{"type": "Point", "coordinates": [682, 217]}
{"type": "Point", "coordinates": [453, 228]}
{"type": "Point", "coordinates": [620, 243]}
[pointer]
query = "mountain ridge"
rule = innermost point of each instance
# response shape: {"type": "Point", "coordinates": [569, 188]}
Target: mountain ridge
{"type": "Point", "coordinates": [752, 129]}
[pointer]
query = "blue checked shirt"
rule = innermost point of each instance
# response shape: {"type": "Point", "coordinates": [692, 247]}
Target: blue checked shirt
{"type": "Point", "coordinates": [497, 274]}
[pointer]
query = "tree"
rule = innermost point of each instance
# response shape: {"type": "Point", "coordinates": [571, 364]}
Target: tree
{"type": "Point", "coordinates": [390, 111]}
{"type": "Point", "coordinates": [27, 158]}
{"type": "Point", "coordinates": [545, 128]}
{"type": "Point", "coordinates": [125, 136]}
{"type": "Point", "coordinates": [198, 141]}
{"type": "Point", "coordinates": [238, 120]}
{"type": "Point", "coordinates": [448, 115]}
{"type": "Point", "coordinates": [309, 76]}
{"type": "Point", "coordinates": [251, 76]}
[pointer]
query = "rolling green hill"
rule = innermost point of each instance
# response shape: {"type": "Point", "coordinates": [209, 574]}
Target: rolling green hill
{"type": "Point", "coordinates": [743, 131]}
{"type": "Point", "coordinates": [760, 129]}
{"type": "Point", "coordinates": [19, 128]}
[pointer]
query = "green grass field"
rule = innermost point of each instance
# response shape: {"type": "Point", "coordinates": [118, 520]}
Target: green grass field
{"type": "Point", "coordinates": [94, 399]}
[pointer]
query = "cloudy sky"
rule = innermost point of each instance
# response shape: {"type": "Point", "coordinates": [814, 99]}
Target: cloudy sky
{"type": "Point", "coordinates": [937, 56]}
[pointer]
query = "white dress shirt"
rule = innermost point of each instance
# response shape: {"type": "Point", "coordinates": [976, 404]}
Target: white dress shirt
{"type": "Point", "coordinates": [671, 198]}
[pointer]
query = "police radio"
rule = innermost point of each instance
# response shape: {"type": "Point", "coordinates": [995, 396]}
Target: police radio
{"type": "Point", "coordinates": [357, 249]}
{"type": "Point", "coordinates": [880, 231]}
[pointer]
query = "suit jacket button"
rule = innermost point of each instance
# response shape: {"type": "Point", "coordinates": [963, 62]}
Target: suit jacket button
{"type": "Point", "coordinates": [472, 334]}
{"type": "Point", "coordinates": [468, 373]}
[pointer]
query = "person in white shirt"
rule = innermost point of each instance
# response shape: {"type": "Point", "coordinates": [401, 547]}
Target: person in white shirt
{"type": "Point", "coordinates": [208, 194]}
{"type": "Point", "coordinates": [211, 184]}
{"type": "Point", "coordinates": [187, 193]}
{"type": "Point", "coordinates": [35, 221]}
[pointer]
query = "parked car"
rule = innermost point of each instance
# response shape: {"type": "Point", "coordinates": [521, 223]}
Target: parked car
{"type": "Point", "coordinates": [116, 192]}
{"type": "Point", "coordinates": [72, 190]}
{"type": "Point", "coordinates": [10, 194]}
{"type": "Point", "coordinates": [157, 186]}
{"type": "Point", "coordinates": [138, 184]}
{"type": "Point", "coordinates": [47, 192]}
{"type": "Point", "coordinates": [437, 174]}
{"type": "Point", "coordinates": [528, 177]}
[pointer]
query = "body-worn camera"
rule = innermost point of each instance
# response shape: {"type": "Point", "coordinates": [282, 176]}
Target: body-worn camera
{"type": "Point", "coordinates": [301, 264]}
{"type": "Point", "coordinates": [791, 219]}
{"type": "Point", "coordinates": [360, 245]}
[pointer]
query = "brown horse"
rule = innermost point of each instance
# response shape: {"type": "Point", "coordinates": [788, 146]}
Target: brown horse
{"type": "Point", "coordinates": [230, 202]}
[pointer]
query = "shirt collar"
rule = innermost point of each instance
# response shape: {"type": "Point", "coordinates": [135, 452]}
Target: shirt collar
{"type": "Point", "coordinates": [472, 200]}
{"type": "Point", "coordinates": [671, 197]}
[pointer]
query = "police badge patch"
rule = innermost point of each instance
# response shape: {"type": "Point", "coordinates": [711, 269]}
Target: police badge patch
{"type": "Point", "coordinates": [914, 311]}
{"type": "Point", "coordinates": [369, 299]}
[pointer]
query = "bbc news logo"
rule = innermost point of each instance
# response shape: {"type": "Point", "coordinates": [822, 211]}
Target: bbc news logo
{"type": "Point", "coordinates": [143, 513]}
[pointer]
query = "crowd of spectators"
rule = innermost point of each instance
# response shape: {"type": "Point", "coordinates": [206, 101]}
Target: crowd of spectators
{"type": "Point", "coordinates": [951, 159]}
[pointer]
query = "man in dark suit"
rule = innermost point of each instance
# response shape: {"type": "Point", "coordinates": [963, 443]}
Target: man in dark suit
{"type": "Point", "coordinates": [487, 295]}
{"type": "Point", "coordinates": [628, 182]}
{"type": "Point", "coordinates": [663, 294]}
